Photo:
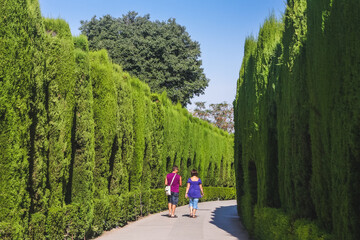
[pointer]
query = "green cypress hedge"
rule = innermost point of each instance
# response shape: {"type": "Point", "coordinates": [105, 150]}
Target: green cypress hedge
{"type": "Point", "coordinates": [293, 116]}
{"type": "Point", "coordinates": [253, 106]}
{"type": "Point", "coordinates": [60, 85]}
{"type": "Point", "coordinates": [21, 112]}
{"type": "Point", "coordinates": [105, 118]}
{"type": "Point", "coordinates": [85, 146]}
{"type": "Point", "coordinates": [81, 183]}
{"type": "Point", "coordinates": [297, 125]}
{"type": "Point", "coordinates": [334, 95]}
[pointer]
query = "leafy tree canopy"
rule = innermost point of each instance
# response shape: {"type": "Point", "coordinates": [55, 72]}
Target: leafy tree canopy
{"type": "Point", "coordinates": [160, 53]}
{"type": "Point", "coordinates": [219, 114]}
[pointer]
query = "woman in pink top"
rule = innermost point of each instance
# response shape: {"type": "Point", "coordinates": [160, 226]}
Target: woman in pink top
{"type": "Point", "coordinates": [174, 180]}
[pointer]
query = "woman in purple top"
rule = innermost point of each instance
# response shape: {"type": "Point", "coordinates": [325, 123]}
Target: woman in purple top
{"type": "Point", "coordinates": [194, 191]}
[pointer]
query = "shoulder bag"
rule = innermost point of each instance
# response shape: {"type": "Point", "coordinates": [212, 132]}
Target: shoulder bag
{"type": "Point", "coordinates": [168, 188]}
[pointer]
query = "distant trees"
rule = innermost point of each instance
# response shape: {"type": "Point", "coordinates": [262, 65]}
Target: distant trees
{"type": "Point", "coordinates": [219, 114]}
{"type": "Point", "coordinates": [160, 53]}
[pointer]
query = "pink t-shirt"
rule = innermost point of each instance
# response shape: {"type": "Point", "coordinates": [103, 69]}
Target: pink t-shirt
{"type": "Point", "coordinates": [176, 182]}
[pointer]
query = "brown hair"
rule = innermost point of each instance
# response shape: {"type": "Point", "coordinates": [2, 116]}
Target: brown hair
{"type": "Point", "coordinates": [194, 173]}
{"type": "Point", "coordinates": [175, 168]}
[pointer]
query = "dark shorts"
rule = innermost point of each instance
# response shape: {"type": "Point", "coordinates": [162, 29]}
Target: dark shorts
{"type": "Point", "coordinates": [173, 198]}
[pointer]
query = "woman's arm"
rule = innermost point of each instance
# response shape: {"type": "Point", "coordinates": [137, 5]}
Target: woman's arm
{"type": "Point", "coordinates": [180, 181]}
{"type": "Point", "coordinates": [187, 190]}
{"type": "Point", "coordinates": [201, 189]}
{"type": "Point", "coordinates": [166, 182]}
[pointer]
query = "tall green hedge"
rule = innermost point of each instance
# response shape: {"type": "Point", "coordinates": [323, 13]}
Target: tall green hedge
{"type": "Point", "coordinates": [22, 184]}
{"type": "Point", "coordinates": [254, 108]}
{"type": "Point", "coordinates": [297, 125]}
{"type": "Point", "coordinates": [84, 146]}
{"type": "Point", "coordinates": [334, 96]}
{"type": "Point", "coordinates": [81, 172]}
{"type": "Point", "coordinates": [293, 116]}
{"type": "Point", "coordinates": [59, 80]}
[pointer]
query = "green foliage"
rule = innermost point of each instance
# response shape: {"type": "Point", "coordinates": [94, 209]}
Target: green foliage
{"type": "Point", "coordinates": [253, 105]}
{"type": "Point", "coordinates": [274, 224]}
{"type": "Point", "coordinates": [263, 133]}
{"type": "Point", "coordinates": [21, 81]}
{"type": "Point", "coordinates": [297, 125]}
{"type": "Point", "coordinates": [81, 179]}
{"type": "Point", "coordinates": [334, 116]}
{"type": "Point", "coordinates": [120, 171]}
{"type": "Point", "coordinates": [293, 116]}
{"type": "Point", "coordinates": [85, 146]}
{"type": "Point", "coordinates": [105, 119]}
{"type": "Point", "coordinates": [160, 53]}
{"type": "Point", "coordinates": [139, 107]}
{"type": "Point", "coordinates": [240, 126]}
{"type": "Point", "coordinates": [218, 193]}
{"type": "Point", "coordinates": [58, 28]}
{"type": "Point", "coordinates": [271, 223]}
{"type": "Point", "coordinates": [60, 84]}
{"type": "Point", "coordinates": [37, 226]}
{"type": "Point", "coordinates": [55, 227]}
{"type": "Point", "coordinates": [307, 230]}
{"type": "Point", "coordinates": [81, 43]}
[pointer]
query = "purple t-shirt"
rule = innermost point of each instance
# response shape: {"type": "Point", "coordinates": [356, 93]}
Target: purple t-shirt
{"type": "Point", "coordinates": [176, 182]}
{"type": "Point", "coordinates": [194, 190]}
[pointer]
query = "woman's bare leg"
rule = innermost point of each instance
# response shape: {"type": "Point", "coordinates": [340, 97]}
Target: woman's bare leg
{"type": "Point", "coordinates": [173, 210]}
{"type": "Point", "coordinates": [194, 212]}
{"type": "Point", "coordinates": [170, 208]}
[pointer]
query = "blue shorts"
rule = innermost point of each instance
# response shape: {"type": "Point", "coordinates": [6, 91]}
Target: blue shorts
{"type": "Point", "coordinates": [193, 202]}
{"type": "Point", "coordinates": [173, 198]}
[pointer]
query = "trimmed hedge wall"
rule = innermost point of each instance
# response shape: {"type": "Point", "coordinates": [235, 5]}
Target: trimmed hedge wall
{"type": "Point", "coordinates": [297, 124]}
{"type": "Point", "coordinates": [83, 144]}
{"type": "Point", "coordinates": [21, 112]}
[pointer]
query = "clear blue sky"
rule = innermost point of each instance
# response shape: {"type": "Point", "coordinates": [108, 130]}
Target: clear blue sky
{"type": "Point", "coordinates": [220, 26]}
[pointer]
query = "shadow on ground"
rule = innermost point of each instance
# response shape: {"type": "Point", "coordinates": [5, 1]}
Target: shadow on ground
{"type": "Point", "coordinates": [227, 219]}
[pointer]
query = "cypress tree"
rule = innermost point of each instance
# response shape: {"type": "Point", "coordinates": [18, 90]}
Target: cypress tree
{"type": "Point", "coordinates": [293, 116]}
{"type": "Point", "coordinates": [244, 125]}
{"type": "Point", "coordinates": [139, 134]}
{"type": "Point", "coordinates": [334, 117]}
{"type": "Point", "coordinates": [59, 80]}
{"type": "Point", "coordinates": [239, 115]}
{"type": "Point", "coordinates": [148, 162]}
{"type": "Point", "coordinates": [81, 183]}
{"type": "Point", "coordinates": [158, 114]}
{"type": "Point", "coordinates": [105, 110]}
{"type": "Point", "coordinates": [319, 98]}
{"type": "Point", "coordinates": [21, 81]}
{"type": "Point", "coordinates": [121, 174]}
{"type": "Point", "coordinates": [268, 39]}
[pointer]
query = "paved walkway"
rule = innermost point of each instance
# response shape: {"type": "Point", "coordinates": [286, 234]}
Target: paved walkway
{"type": "Point", "coordinates": [216, 220]}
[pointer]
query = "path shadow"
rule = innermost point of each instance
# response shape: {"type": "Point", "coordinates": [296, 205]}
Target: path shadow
{"type": "Point", "coordinates": [228, 220]}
